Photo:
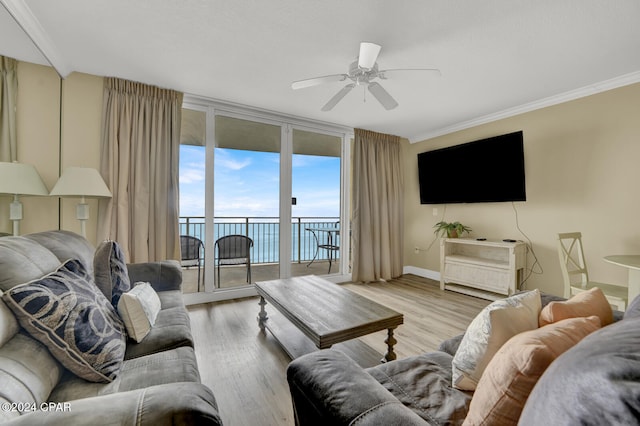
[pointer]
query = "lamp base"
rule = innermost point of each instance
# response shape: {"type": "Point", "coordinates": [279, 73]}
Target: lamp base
{"type": "Point", "coordinates": [15, 214]}
{"type": "Point", "coordinates": [82, 214]}
{"type": "Point", "coordinates": [82, 211]}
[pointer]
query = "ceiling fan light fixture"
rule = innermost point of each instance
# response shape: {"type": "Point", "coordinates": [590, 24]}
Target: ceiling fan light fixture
{"type": "Point", "coordinates": [368, 55]}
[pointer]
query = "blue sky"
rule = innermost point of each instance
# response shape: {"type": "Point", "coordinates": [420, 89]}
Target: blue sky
{"type": "Point", "coordinates": [247, 183]}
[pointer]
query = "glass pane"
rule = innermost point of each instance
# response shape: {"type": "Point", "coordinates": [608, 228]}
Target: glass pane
{"type": "Point", "coordinates": [192, 195]}
{"type": "Point", "coordinates": [246, 199]}
{"type": "Point", "coordinates": [316, 227]}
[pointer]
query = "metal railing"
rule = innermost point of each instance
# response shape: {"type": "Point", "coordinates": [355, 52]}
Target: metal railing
{"type": "Point", "coordinates": [265, 233]}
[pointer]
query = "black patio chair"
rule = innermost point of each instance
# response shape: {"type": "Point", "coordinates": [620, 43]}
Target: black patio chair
{"type": "Point", "coordinates": [234, 250]}
{"type": "Point", "coordinates": [192, 253]}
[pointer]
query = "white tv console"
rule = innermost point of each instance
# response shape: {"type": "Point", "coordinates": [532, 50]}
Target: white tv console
{"type": "Point", "coordinates": [488, 269]}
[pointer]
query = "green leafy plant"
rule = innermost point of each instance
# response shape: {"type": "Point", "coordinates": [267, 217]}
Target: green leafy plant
{"type": "Point", "coordinates": [451, 230]}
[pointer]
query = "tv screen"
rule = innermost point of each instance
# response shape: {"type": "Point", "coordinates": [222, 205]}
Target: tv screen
{"type": "Point", "coordinates": [487, 170]}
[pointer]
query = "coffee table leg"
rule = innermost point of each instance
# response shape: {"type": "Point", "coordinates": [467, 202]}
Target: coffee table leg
{"type": "Point", "coordinates": [262, 315]}
{"type": "Point", "coordinates": [390, 341]}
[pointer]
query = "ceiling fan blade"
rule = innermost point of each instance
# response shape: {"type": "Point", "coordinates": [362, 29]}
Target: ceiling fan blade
{"type": "Point", "coordinates": [382, 96]}
{"type": "Point", "coordinates": [384, 74]}
{"type": "Point", "coordinates": [338, 97]}
{"type": "Point", "coordinates": [368, 55]}
{"type": "Point", "coordinates": [318, 80]}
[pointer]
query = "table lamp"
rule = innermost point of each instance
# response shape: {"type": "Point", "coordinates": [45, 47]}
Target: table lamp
{"type": "Point", "coordinates": [81, 182]}
{"type": "Point", "coordinates": [19, 179]}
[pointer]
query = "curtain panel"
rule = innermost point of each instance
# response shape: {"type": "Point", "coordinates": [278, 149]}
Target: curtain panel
{"type": "Point", "coordinates": [378, 209]}
{"type": "Point", "coordinates": [8, 97]}
{"type": "Point", "coordinates": [139, 161]}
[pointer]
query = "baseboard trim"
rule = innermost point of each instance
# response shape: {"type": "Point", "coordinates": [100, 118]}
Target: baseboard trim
{"type": "Point", "coordinates": [421, 272]}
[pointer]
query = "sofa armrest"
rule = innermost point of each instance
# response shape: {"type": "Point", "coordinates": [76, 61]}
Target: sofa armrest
{"type": "Point", "coordinates": [327, 387]}
{"type": "Point", "coordinates": [163, 275]}
{"type": "Point", "coordinates": [168, 404]}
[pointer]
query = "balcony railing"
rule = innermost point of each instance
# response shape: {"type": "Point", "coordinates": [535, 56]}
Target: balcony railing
{"type": "Point", "coordinates": [265, 233]}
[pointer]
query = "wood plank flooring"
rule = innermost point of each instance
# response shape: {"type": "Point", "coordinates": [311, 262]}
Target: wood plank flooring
{"type": "Point", "coordinates": [246, 369]}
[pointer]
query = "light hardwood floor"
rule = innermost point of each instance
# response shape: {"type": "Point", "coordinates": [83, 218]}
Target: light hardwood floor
{"type": "Point", "coordinates": [246, 369]}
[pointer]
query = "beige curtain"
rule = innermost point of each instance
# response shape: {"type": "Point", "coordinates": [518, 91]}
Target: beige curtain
{"type": "Point", "coordinates": [378, 212]}
{"type": "Point", "coordinates": [8, 96]}
{"type": "Point", "coordinates": [139, 162]}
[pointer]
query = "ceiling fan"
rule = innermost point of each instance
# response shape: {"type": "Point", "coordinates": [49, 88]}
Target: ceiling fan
{"type": "Point", "coordinates": [362, 72]}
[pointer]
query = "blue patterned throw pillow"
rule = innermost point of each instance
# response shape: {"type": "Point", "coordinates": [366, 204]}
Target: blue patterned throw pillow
{"type": "Point", "coordinates": [66, 312]}
{"type": "Point", "coordinates": [110, 271]}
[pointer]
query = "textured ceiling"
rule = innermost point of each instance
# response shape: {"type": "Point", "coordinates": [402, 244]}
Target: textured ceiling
{"type": "Point", "coordinates": [496, 56]}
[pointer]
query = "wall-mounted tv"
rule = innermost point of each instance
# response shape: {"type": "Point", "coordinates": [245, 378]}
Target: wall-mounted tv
{"type": "Point", "coordinates": [487, 170]}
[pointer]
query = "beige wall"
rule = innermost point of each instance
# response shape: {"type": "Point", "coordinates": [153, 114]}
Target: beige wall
{"type": "Point", "coordinates": [580, 159]}
{"type": "Point", "coordinates": [43, 144]}
{"type": "Point", "coordinates": [582, 173]}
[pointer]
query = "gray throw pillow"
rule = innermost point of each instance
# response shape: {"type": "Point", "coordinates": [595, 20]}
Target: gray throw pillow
{"type": "Point", "coordinates": [633, 310]}
{"type": "Point", "coordinates": [596, 382]}
{"type": "Point", "coordinates": [67, 313]}
{"type": "Point", "coordinates": [110, 271]}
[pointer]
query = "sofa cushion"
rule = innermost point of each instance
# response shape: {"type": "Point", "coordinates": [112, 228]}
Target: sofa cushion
{"type": "Point", "coordinates": [171, 330]}
{"type": "Point", "coordinates": [28, 373]}
{"type": "Point", "coordinates": [164, 275]}
{"type": "Point", "coordinates": [172, 366]}
{"type": "Point", "coordinates": [488, 331]}
{"type": "Point", "coordinates": [67, 313]}
{"type": "Point", "coordinates": [139, 309]}
{"type": "Point", "coordinates": [22, 260]}
{"type": "Point", "coordinates": [8, 323]}
{"type": "Point", "coordinates": [595, 382]}
{"type": "Point", "coordinates": [66, 245]}
{"type": "Point", "coordinates": [110, 271]}
{"type": "Point", "coordinates": [423, 384]}
{"type": "Point", "coordinates": [329, 388]}
{"type": "Point", "coordinates": [184, 403]}
{"type": "Point", "coordinates": [583, 304]}
{"type": "Point", "coordinates": [514, 370]}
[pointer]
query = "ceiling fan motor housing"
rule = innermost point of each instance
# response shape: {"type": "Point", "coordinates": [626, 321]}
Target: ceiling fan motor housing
{"type": "Point", "coordinates": [362, 75]}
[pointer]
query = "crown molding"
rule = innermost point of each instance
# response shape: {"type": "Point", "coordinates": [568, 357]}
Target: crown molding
{"type": "Point", "coordinates": [25, 18]}
{"type": "Point", "coordinates": [614, 83]}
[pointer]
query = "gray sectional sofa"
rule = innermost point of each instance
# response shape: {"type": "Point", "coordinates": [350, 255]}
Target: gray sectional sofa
{"type": "Point", "coordinates": [157, 382]}
{"type": "Point", "coordinates": [595, 382]}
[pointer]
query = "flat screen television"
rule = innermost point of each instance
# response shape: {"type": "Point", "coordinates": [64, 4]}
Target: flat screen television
{"type": "Point", "coordinates": [487, 170]}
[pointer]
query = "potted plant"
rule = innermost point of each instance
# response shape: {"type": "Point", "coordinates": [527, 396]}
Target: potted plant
{"type": "Point", "coordinates": [452, 230]}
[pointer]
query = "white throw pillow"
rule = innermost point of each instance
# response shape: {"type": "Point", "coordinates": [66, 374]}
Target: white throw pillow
{"type": "Point", "coordinates": [138, 309]}
{"type": "Point", "coordinates": [488, 331]}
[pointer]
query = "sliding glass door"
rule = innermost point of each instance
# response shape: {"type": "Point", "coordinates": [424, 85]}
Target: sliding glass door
{"type": "Point", "coordinates": [316, 189]}
{"type": "Point", "coordinates": [246, 201]}
{"type": "Point", "coordinates": [243, 177]}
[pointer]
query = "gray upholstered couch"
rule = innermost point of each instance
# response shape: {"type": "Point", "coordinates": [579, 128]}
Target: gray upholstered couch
{"type": "Point", "coordinates": [596, 382]}
{"type": "Point", "coordinates": [158, 383]}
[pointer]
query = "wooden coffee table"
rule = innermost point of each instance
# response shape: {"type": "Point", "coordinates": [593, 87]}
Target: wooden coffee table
{"type": "Point", "coordinates": [324, 312]}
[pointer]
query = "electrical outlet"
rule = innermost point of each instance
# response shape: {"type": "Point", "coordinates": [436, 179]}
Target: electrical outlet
{"type": "Point", "coordinates": [435, 211]}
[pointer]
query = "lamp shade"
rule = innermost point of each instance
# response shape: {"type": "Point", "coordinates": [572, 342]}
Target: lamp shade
{"type": "Point", "coordinates": [20, 179]}
{"type": "Point", "coordinates": [81, 182]}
